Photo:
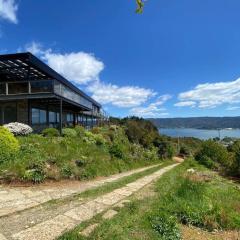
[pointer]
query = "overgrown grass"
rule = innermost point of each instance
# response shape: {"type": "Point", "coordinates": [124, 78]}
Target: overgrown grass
{"type": "Point", "coordinates": [201, 199]}
{"type": "Point", "coordinates": [84, 156]}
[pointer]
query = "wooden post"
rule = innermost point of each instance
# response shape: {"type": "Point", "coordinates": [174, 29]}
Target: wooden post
{"type": "Point", "coordinates": [60, 117]}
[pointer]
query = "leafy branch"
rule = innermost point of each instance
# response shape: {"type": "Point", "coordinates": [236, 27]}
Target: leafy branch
{"type": "Point", "coordinates": [140, 5]}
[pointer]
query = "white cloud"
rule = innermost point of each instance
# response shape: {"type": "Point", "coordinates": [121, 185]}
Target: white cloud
{"type": "Point", "coordinates": [232, 108]}
{"type": "Point", "coordinates": [8, 10]}
{"type": "Point", "coordinates": [125, 96]}
{"type": "Point", "coordinates": [83, 69]}
{"type": "Point", "coordinates": [153, 109]}
{"type": "Point", "coordinates": [79, 67]}
{"type": "Point", "coordinates": [211, 95]}
{"type": "Point", "coordinates": [35, 48]}
{"type": "Point", "coordinates": [185, 104]}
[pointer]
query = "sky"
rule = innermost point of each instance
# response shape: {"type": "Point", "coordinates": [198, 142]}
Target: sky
{"type": "Point", "coordinates": [177, 59]}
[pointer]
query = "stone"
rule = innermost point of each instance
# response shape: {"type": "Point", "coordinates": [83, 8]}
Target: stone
{"type": "Point", "coordinates": [46, 230]}
{"type": "Point", "coordinates": [2, 237]}
{"type": "Point", "coordinates": [87, 231]}
{"type": "Point", "coordinates": [109, 214]}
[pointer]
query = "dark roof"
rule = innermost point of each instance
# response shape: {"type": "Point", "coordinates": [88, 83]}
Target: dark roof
{"type": "Point", "coordinates": [19, 65]}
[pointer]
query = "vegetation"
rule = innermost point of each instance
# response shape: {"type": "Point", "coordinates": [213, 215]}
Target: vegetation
{"type": "Point", "coordinates": [77, 154]}
{"type": "Point", "coordinates": [200, 198]}
{"type": "Point", "coordinates": [215, 156]}
{"type": "Point", "coordinates": [9, 145]}
{"type": "Point", "coordinates": [50, 132]}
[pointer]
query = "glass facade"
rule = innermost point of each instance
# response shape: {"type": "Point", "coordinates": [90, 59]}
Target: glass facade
{"type": "Point", "coordinates": [66, 92]}
{"type": "Point", "coordinates": [39, 116]}
{"type": "Point", "coordinates": [41, 86]}
{"type": "Point", "coordinates": [18, 88]}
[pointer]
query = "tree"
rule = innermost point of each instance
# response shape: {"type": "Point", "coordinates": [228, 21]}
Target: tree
{"type": "Point", "coordinates": [213, 151]}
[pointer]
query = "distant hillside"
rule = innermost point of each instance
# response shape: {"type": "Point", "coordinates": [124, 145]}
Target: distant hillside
{"type": "Point", "coordinates": [197, 122]}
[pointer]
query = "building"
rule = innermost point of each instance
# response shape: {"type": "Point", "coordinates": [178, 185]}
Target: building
{"type": "Point", "coordinates": [33, 93]}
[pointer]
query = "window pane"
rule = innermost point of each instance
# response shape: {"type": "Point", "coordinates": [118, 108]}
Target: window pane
{"type": "Point", "coordinates": [17, 88]}
{"type": "Point", "coordinates": [2, 88]}
{"type": "Point", "coordinates": [52, 117]}
{"type": "Point", "coordinates": [35, 116]}
{"type": "Point", "coordinates": [41, 86]}
{"type": "Point", "coordinates": [43, 116]}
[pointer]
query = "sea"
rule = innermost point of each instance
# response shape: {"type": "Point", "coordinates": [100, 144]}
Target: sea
{"type": "Point", "coordinates": [203, 134]}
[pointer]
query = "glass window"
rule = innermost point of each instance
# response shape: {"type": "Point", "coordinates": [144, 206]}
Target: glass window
{"type": "Point", "coordinates": [41, 86]}
{"type": "Point", "coordinates": [18, 88]}
{"type": "Point", "coordinates": [69, 117]}
{"type": "Point", "coordinates": [43, 116]}
{"type": "Point", "coordinates": [35, 116]}
{"type": "Point", "coordinates": [39, 116]}
{"type": "Point", "coordinates": [2, 88]}
{"type": "Point", "coordinates": [53, 117]}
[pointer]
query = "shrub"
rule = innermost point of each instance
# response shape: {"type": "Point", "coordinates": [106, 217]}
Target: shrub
{"type": "Point", "coordinates": [19, 128]}
{"type": "Point", "coordinates": [213, 151]}
{"type": "Point", "coordinates": [207, 161]}
{"type": "Point", "coordinates": [166, 226]}
{"type": "Point", "coordinates": [69, 132]}
{"type": "Point", "coordinates": [116, 151]}
{"type": "Point", "coordinates": [50, 132]}
{"type": "Point", "coordinates": [185, 150]}
{"type": "Point", "coordinates": [34, 175]}
{"type": "Point", "coordinates": [235, 152]}
{"type": "Point", "coordinates": [89, 137]}
{"type": "Point", "coordinates": [66, 171]}
{"type": "Point", "coordinates": [166, 149]}
{"type": "Point", "coordinates": [35, 172]}
{"type": "Point", "coordinates": [96, 130]}
{"type": "Point", "coordinates": [9, 145]}
{"type": "Point", "coordinates": [99, 139]}
{"type": "Point", "coordinates": [80, 131]}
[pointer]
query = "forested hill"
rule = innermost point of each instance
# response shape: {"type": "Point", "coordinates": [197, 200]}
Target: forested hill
{"type": "Point", "coordinates": [197, 122]}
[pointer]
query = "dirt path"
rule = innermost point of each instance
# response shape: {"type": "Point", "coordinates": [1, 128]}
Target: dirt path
{"type": "Point", "coordinates": [14, 199]}
{"type": "Point", "coordinates": [47, 222]}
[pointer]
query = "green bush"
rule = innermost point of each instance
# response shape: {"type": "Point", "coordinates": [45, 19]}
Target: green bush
{"type": "Point", "coordinates": [207, 161]}
{"type": "Point", "coordinates": [166, 149]}
{"type": "Point", "coordinates": [9, 145]}
{"type": "Point", "coordinates": [99, 139]}
{"type": "Point", "coordinates": [116, 151]}
{"type": "Point", "coordinates": [166, 226]}
{"type": "Point", "coordinates": [69, 132]}
{"type": "Point", "coordinates": [80, 130]}
{"type": "Point", "coordinates": [185, 150]}
{"type": "Point", "coordinates": [234, 166]}
{"type": "Point", "coordinates": [211, 150]}
{"type": "Point", "coordinates": [34, 175]}
{"type": "Point", "coordinates": [66, 171]}
{"type": "Point", "coordinates": [96, 130]}
{"type": "Point", "coordinates": [50, 132]}
{"type": "Point", "coordinates": [89, 137]}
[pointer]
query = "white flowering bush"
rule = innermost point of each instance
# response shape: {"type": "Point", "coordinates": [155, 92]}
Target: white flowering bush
{"type": "Point", "coordinates": [18, 128]}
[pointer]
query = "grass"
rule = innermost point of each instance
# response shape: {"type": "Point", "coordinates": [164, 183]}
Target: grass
{"type": "Point", "coordinates": [84, 156]}
{"type": "Point", "coordinates": [202, 199]}
{"type": "Point", "coordinates": [109, 187]}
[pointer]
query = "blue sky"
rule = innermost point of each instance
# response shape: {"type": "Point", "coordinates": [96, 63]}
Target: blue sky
{"type": "Point", "coordinates": [177, 59]}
